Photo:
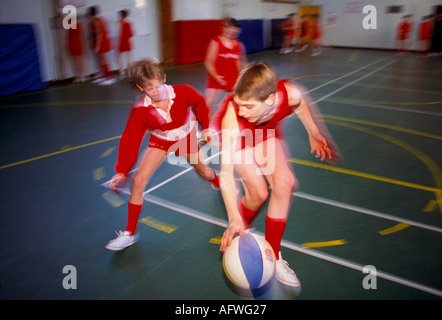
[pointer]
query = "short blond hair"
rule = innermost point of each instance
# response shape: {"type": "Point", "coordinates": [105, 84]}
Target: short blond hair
{"type": "Point", "coordinates": [146, 70]}
{"type": "Point", "coordinates": [255, 82]}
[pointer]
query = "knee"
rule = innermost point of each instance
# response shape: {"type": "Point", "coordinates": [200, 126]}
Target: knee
{"type": "Point", "coordinates": [286, 185]}
{"type": "Point", "coordinates": [259, 196]}
{"type": "Point", "coordinates": [139, 182]}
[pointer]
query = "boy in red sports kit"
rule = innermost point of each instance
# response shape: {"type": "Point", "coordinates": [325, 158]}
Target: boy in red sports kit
{"type": "Point", "coordinates": [165, 110]}
{"type": "Point", "coordinates": [75, 47]}
{"type": "Point", "coordinates": [289, 29]}
{"type": "Point", "coordinates": [404, 29]}
{"type": "Point", "coordinates": [303, 33]}
{"type": "Point", "coordinates": [425, 33]}
{"type": "Point", "coordinates": [124, 45]}
{"type": "Point", "coordinates": [102, 45]}
{"type": "Point", "coordinates": [316, 34]}
{"type": "Point", "coordinates": [250, 120]}
{"type": "Point", "coordinates": [224, 59]}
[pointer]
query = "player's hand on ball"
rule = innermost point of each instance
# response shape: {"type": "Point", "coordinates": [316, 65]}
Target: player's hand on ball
{"type": "Point", "coordinates": [235, 227]}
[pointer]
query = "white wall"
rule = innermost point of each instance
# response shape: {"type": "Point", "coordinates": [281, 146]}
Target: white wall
{"type": "Point", "coordinates": [348, 30]}
{"type": "Point", "coordinates": [238, 9]}
{"type": "Point", "coordinates": [39, 13]}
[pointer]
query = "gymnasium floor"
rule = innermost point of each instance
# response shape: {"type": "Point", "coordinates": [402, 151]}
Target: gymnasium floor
{"type": "Point", "coordinates": [382, 207]}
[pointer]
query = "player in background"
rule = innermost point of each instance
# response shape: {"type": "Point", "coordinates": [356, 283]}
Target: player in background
{"type": "Point", "coordinates": [124, 50]}
{"type": "Point", "coordinates": [102, 45]}
{"type": "Point", "coordinates": [224, 59]}
{"type": "Point", "coordinates": [303, 33]}
{"type": "Point", "coordinates": [170, 112]}
{"type": "Point", "coordinates": [424, 35]}
{"type": "Point", "coordinates": [253, 147]}
{"type": "Point", "coordinates": [316, 34]}
{"type": "Point", "coordinates": [75, 47]}
{"type": "Point", "coordinates": [289, 30]}
{"type": "Point", "coordinates": [403, 32]}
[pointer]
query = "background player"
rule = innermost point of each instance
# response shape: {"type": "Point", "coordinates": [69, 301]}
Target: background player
{"type": "Point", "coordinates": [102, 45]}
{"type": "Point", "coordinates": [253, 147]}
{"type": "Point", "coordinates": [224, 59]}
{"type": "Point", "coordinates": [169, 112]}
{"type": "Point", "coordinates": [75, 46]}
{"type": "Point", "coordinates": [404, 30]}
{"type": "Point", "coordinates": [124, 52]}
{"type": "Point", "coordinates": [289, 30]}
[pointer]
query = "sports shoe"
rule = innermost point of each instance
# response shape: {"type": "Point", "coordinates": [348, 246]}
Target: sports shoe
{"type": "Point", "coordinates": [123, 240]}
{"type": "Point", "coordinates": [284, 274]}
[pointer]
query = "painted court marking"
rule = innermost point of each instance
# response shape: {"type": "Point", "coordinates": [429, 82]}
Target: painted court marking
{"type": "Point", "coordinates": [291, 245]}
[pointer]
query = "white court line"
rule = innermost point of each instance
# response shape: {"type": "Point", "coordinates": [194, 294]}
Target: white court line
{"type": "Point", "coordinates": [380, 106]}
{"type": "Point", "coordinates": [353, 82]}
{"type": "Point", "coordinates": [365, 211]}
{"type": "Point", "coordinates": [291, 245]}
{"type": "Point", "coordinates": [345, 75]}
{"type": "Point", "coordinates": [178, 175]}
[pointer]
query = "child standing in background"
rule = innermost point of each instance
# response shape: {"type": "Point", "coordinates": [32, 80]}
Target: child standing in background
{"type": "Point", "coordinates": [102, 45]}
{"type": "Point", "coordinates": [124, 51]}
{"type": "Point", "coordinates": [224, 59]}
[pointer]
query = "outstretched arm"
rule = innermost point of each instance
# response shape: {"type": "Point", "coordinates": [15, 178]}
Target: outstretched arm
{"type": "Point", "coordinates": [318, 143]}
{"type": "Point", "coordinates": [227, 181]}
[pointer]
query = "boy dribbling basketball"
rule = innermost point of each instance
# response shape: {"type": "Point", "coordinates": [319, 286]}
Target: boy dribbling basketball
{"type": "Point", "coordinates": [253, 147]}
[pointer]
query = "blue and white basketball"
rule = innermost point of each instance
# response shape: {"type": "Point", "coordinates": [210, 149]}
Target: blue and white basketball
{"type": "Point", "coordinates": [249, 262]}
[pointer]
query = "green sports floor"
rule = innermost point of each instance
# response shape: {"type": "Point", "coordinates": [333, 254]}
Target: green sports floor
{"type": "Point", "coordinates": [381, 208]}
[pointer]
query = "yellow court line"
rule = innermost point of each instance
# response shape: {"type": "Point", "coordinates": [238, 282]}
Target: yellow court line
{"type": "Point", "coordinates": [216, 240]}
{"type": "Point", "coordinates": [108, 152]}
{"type": "Point", "coordinates": [413, 103]}
{"type": "Point", "coordinates": [431, 206]}
{"type": "Point", "coordinates": [313, 75]}
{"type": "Point", "coordinates": [383, 125]}
{"type": "Point", "coordinates": [396, 228]}
{"type": "Point", "coordinates": [157, 224]}
{"type": "Point", "coordinates": [68, 103]}
{"type": "Point", "coordinates": [370, 86]}
{"type": "Point", "coordinates": [363, 175]}
{"type": "Point", "coordinates": [427, 161]}
{"type": "Point", "coordinates": [57, 152]}
{"type": "Point", "coordinates": [324, 243]}
{"type": "Point", "coordinates": [99, 173]}
{"type": "Point", "coordinates": [353, 55]}
{"type": "Point", "coordinates": [113, 198]}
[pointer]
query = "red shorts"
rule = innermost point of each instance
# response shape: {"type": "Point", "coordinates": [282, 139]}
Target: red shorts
{"type": "Point", "coordinates": [124, 46]}
{"type": "Point", "coordinates": [186, 145]}
{"type": "Point", "coordinates": [75, 49]}
{"type": "Point", "coordinates": [211, 83]}
{"type": "Point", "coordinates": [290, 34]}
{"type": "Point", "coordinates": [105, 45]}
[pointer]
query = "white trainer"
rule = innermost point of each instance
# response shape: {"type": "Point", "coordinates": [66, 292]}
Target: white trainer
{"type": "Point", "coordinates": [123, 240]}
{"type": "Point", "coordinates": [284, 274]}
